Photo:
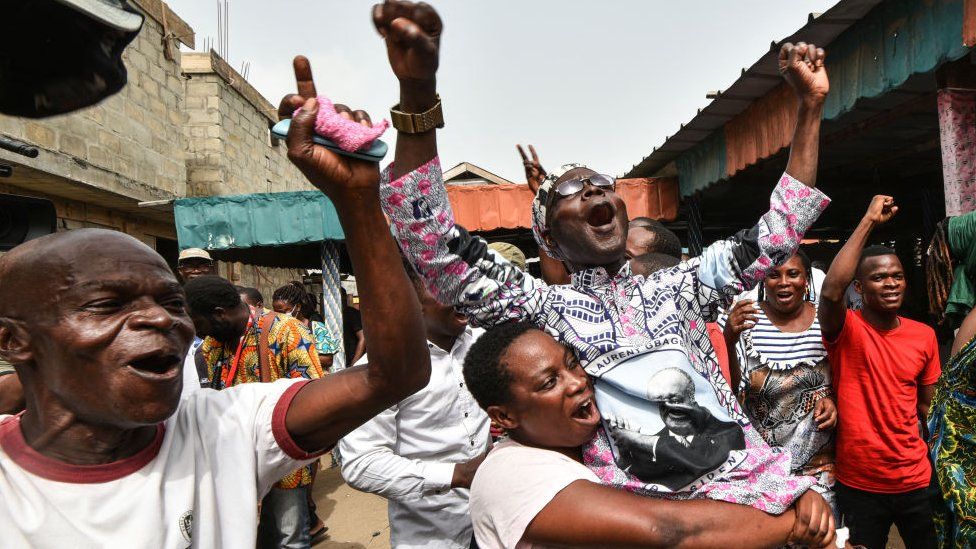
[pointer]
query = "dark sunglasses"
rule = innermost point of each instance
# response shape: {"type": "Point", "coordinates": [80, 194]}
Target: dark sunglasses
{"type": "Point", "coordinates": [573, 186]}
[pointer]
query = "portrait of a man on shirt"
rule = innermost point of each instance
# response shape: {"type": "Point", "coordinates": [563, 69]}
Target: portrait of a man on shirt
{"type": "Point", "coordinates": [681, 439]}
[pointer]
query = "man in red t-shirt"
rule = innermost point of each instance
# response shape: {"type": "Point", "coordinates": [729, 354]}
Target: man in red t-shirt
{"type": "Point", "coordinates": [884, 370]}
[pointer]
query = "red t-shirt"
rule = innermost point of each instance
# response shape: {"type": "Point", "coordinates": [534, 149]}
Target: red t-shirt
{"type": "Point", "coordinates": [876, 377]}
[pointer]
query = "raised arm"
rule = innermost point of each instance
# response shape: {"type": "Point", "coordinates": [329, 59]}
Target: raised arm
{"type": "Point", "coordinates": [456, 266]}
{"type": "Point", "coordinates": [399, 364]}
{"type": "Point", "coordinates": [833, 309]}
{"type": "Point", "coordinates": [730, 266]}
{"type": "Point", "coordinates": [615, 518]}
{"type": "Point", "coordinates": [553, 271]}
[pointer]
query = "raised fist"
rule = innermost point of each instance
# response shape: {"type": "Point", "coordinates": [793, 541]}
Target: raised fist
{"type": "Point", "coordinates": [336, 175]}
{"type": "Point", "coordinates": [882, 209]}
{"type": "Point", "coordinates": [412, 31]}
{"type": "Point", "coordinates": [802, 65]}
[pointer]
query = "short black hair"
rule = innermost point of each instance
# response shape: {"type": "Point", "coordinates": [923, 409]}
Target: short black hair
{"type": "Point", "coordinates": [487, 377]}
{"type": "Point", "coordinates": [665, 241]}
{"type": "Point", "coordinates": [204, 294]}
{"type": "Point", "coordinates": [253, 293]}
{"type": "Point", "coordinates": [655, 261]}
{"type": "Point", "coordinates": [875, 250]}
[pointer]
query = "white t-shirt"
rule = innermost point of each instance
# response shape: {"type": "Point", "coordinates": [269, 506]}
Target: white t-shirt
{"type": "Point", "coordinates": [201, 479]}
{"type": "Point", "coordinates": [512, 486]}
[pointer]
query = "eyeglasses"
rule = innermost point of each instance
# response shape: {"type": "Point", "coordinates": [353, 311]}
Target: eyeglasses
{"type": "Point", "coordinates": [573, 186]}
{"type": "Point", "coordinates": [195, 266]}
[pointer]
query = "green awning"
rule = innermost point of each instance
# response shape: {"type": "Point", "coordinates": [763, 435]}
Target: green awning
{"type": "Point", "coordinates": [272, 229]}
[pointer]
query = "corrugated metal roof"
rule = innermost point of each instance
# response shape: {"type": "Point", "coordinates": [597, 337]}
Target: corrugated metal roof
{"type": "Point", "coordinates": [754, 83]}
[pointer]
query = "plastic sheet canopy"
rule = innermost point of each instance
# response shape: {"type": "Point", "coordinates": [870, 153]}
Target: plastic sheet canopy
{"type": "Point", "coordinates": [255, 220]}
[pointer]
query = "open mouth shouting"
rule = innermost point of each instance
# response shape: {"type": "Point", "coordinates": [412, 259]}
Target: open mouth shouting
{"type": "Point", "coordinates": [586, 411]}
{"type": "Point", "coordinates": [601, 215]}
{"type": "Point", "coordinates": [156, 366]}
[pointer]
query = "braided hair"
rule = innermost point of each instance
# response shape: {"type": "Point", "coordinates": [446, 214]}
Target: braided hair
{"type": "Point", "coordinates": [807, 269]}
{"type": "Point", "coordinates": [939, 274]}
{"type": "Point", "coordinates": [294, 294]}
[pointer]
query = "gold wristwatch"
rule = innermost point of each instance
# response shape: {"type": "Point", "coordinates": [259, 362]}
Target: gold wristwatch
{"type": "Point", "coordinates": [408, 122]}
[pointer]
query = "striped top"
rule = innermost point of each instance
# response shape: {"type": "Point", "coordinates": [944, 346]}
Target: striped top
{"type": "Point", "coordinates": [777, 349]}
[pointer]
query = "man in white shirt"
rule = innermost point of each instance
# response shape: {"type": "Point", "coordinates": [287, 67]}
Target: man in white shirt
{"type": "Point", "coordinates": [422, 453]}
{"type": "Point", "coordinates": [106, 453]}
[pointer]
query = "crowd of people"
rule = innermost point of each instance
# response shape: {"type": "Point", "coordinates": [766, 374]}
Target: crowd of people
{"type": "Point", "coordinates": [629, 397]}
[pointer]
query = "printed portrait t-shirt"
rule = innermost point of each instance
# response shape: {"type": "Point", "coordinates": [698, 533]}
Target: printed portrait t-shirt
{"type": "Point", "coordinates": [197, 485]}
{"type": "Point", "coordinates": [512, 486]}
{"type": "Point", "coordinates": [876, 377]}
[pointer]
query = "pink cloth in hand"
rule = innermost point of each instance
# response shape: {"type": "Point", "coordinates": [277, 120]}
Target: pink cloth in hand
{"type": "Point", "coordinates": [349, 135]}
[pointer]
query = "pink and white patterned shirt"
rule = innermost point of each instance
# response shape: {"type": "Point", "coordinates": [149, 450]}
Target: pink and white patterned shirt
{"type": "Point", "coordinates": [643, 340]}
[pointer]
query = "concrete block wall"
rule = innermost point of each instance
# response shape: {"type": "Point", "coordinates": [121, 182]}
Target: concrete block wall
{"type": "Point", "coordinates": [230, 150]}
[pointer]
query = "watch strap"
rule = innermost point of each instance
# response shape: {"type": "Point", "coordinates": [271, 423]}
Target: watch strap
{"type": "Point", "coordinates": [423, 122]}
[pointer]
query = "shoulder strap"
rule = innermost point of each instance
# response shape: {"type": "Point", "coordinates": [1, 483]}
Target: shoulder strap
{"type": "Point", "coordinates": [264, 330]}
{"type": "Point", "coordinates": [201, 364]}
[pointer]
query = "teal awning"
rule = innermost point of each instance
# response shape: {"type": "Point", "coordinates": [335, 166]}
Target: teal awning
{"type": "Point", "coordinates": [273, 229]}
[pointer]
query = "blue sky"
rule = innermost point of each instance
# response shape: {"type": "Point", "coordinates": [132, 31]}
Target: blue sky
{"type": "Point", "coordinates": [599, 83]}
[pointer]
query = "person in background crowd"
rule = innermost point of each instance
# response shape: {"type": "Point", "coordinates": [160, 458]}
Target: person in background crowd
{"type": "Point", "coordinates": [510, 252]}
{"type": "Point", "coordinates": [353, 338]}
{"type": "Point", "coordinates": [243, 345]}
{"type": "Point", "coordinates": [553, 270]}
{"type": "Point", "coordinates": [884, 369]}
{"type": "Point", "coordinates": [422, 453]}
{"type": "Point", "coordinates": [779, 366]}
{"type": "Point", "coordinates": [652, 262]}
{"type": "Point", "coordinates": [646, 235]}
{"type": "Point", "coordinates": [194, 262]}
{"type": "Point", "coordinates": [952, 441]}
{"type": "Point", "coordinates": [251, 296]}
{"type": "Point", "coordinates": [623, 328]}
{"type": "Point", "coordinates": [294, 299]}
{"type": "Point", "coordinates": [533, 490]}
{"type": "Point", "coordinates": [950, 269]}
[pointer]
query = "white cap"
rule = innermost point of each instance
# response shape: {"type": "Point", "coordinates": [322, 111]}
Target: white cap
{"type": "Point", "coordinates": [195, 253]}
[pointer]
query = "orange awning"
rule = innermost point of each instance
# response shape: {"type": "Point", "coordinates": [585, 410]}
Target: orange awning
{"type": "Point", "coordinates": [491, 207]}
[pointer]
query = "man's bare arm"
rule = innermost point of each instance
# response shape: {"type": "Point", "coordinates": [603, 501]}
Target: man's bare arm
{"type": "Point", "coordinates": [412, 32]}
{"type": "Point", "coordinates": [554, 272]}
{"type": "Point", "coordinates": [399, 365]}
{"type": "Point", "coordinates": [802, 65]}
{"type": "Point", "coordinates": [833, 309]}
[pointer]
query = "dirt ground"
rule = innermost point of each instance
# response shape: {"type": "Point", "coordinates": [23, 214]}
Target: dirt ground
{"type": "Point", "coordinates": [357, 520]}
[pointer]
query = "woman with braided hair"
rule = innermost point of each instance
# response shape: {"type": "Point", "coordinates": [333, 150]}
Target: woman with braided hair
{"type": "Point", "coordinates": [294, 299]}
